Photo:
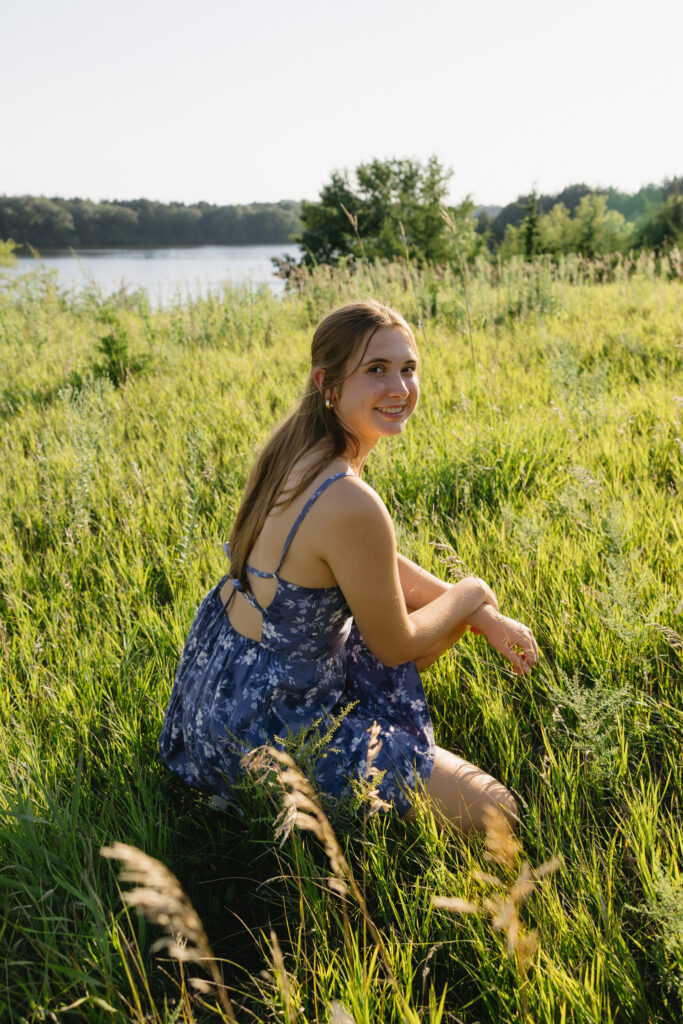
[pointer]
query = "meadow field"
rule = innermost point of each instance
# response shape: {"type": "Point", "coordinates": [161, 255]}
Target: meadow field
{"type": "Point", "coordinates": [546, 456]}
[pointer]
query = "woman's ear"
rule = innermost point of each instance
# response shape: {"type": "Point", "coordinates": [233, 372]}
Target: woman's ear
{"type": "Point", "coordinates": [319, 379]}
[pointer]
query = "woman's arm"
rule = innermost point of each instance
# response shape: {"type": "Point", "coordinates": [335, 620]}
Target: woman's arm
{"type": "Point", "coordinates": [356, 539]}
{"type": "Point", "coordinates": [420, 586]}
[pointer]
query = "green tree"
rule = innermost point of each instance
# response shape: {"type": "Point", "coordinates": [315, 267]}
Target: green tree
{"type": "Point", "coordinates": [327, 229]}
{"type": "Point", "coordinates": [665, 228]}
{"type": "Point", "coordinates": [599, 230]}
{"type": "Point", "coordinates": [513, 242]}
{"type": "Point", "coordinates": [557, 231]}
{"type": "Point", "coordinates": [41, 222]}
{"type": "Point", "coordinates": [483, 225]}
{"type": "Point", "coordinates": [530, 230]}
{"type": "Point", "coordinates": [593, 230]}
{"type": "Point", "coordinates": [36, 220]}
{"type": "Point", "coordinates": [387, 208]}
{"type": "Point", "coordinates": [515, 213]}
{"type": "Point", "coordinates": [636, 207]}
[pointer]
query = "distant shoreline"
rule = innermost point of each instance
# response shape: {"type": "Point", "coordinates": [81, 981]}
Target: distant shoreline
{"type": "Point", "coordinates": [164, 272]}
{"type": "Point", "coordinates": [91, 250]}
{"type": "Point", "coordinates": [53, 224]}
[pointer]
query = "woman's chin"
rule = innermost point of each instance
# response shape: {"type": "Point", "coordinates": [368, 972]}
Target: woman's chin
{"type": "Point", "coordinates": [393, 429]}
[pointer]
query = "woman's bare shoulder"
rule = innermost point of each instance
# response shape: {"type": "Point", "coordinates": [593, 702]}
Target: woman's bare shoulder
{"type": "Point", "coordinates": [350, 505]}
{"type": "Point", "coordinates": [353, 494]}
{"type": "Point", "coordinates": [349, 491]}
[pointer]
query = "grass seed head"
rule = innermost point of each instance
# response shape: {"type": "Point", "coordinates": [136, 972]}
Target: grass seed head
{"type": "Point", "coordinates": [374, 746]}
{"type": "Point", "coordinates": [372, 773]}
{"type": "Point", "coordinates": [301, 806]}
{"type": "Point", "coordinates": [501, 844]}
{"type": "Point", "coordinates": [456, 905]}
{"type": "Point", "coordinates": [502, 907]}
{"type": "Point", "coordinates": [339, 1014]}
{"type": "Point", "coordinates": [160, 897]}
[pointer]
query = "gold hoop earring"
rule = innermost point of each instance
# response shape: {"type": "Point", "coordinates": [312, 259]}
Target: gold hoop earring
{"type": "Point", "coordinates": [328, 404]}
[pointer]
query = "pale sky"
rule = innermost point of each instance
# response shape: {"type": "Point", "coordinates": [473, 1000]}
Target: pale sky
{"type": "Point", "coordinates": [260, 100]}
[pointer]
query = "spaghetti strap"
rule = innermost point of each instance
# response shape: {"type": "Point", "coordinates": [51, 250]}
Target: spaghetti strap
{"type": "Point", "coordinates": [248, 592]}
{"type": "Point", "coordinates": [237, 587]}
{"type": "Point", "coordinates": [300, 518]}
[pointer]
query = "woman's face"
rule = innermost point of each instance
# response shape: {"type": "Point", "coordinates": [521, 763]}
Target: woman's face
{"type": "Point", "coordinates": [381, 391]}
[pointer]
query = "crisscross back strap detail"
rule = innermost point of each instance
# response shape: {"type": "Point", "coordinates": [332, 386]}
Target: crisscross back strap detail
{"type": "Point", "coordinates": [249, 568]}
{"type": "Point", "coordinates": [290, 537]}
{"type": "Point", "coordinates": [248, 594]}
{"type": "Point", "coordinates": [302, 515]}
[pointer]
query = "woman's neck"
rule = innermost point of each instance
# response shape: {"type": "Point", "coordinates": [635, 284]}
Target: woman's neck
{"type": "Point", "coordinates": [355, 463]}
{"type": "Point", "coordinates": [356, 460]}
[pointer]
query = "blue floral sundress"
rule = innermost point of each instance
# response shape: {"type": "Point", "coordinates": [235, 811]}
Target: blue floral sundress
{"type": "Point", "coordinates": [310, 668]}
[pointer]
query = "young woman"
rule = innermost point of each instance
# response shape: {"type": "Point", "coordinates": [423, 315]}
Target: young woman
{"type": "Point", "coordinates": [320, 624]}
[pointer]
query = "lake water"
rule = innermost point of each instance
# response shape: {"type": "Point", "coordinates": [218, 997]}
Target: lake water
{"type": "Point", "coordinates": [168, 275]}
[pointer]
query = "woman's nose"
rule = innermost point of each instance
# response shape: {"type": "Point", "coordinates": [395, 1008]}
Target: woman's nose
{"type": "Point", "coordinates": [397, 386]}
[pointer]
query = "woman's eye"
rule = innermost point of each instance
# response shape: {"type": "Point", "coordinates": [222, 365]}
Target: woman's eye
{"type": "Point", "coordinates": [379, 368]}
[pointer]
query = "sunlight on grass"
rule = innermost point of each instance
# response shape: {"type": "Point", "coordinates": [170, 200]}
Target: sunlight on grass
{"type": "Point", "coordinates": [546, 456]}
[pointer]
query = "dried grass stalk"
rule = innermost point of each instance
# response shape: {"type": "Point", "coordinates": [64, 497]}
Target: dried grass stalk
{"type": "Point", "coordinates": [282, 977]}
{"type": "Point", "coordinates": [502, 908]}
{"type": "Point", "coordinates": [501, 843]}
{"type": "Point", "coordinates": [301, 807]}
{"type": "Point", "coordinates": [375, 802]}
{"type": "Point", "coordinates": [160, 897]}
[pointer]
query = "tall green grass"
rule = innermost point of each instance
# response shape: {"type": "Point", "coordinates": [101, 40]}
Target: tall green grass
{"type": "Point", "coordinates": [545, 456]}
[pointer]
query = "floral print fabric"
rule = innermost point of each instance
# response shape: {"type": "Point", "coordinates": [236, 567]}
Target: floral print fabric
{"type": "Point", "coordinates": [310, 668]}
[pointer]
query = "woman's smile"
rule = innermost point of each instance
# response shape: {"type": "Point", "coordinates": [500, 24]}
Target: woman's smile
{"type": "Point", "coordinates": [393, 411]}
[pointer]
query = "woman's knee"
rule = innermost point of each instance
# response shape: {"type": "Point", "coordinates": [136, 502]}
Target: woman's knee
{"type": "Point", "coordinates": [507, 806]}
{"type": "Point", "coordinates": [467, 797]}
{"type": "Point", "coordinates": [496, 803]}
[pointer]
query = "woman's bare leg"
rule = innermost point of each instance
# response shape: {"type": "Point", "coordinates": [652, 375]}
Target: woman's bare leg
{"type": "Point", "coordinates": [462, 795]}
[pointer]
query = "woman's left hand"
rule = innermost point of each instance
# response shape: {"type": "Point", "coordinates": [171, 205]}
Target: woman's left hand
{"type": "Point", "coordinates": [512, 639]}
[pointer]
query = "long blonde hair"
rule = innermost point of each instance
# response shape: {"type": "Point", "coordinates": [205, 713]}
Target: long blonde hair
{"type": "Point", "coordinates": [338, 346]}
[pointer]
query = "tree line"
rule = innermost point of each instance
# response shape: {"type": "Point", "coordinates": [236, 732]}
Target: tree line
{"type": "Point", "coordinates": [398, 208]}
{"type": "Point", "coordinates": [42, 223]}
{"type": "Point", "coordinates": [385, 209]}
{"type": "Point", "coordinates": [592, 222]}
